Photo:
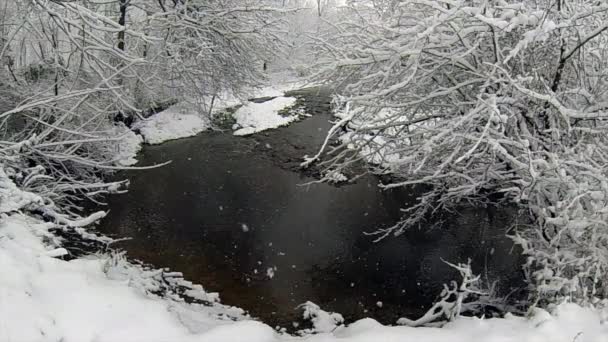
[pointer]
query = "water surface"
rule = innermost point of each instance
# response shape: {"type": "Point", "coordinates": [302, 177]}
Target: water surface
{"type": "Point", "coordinates": [232, 215]}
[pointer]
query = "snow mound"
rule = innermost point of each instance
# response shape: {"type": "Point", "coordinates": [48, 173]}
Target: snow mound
{"type": "Point", "coordinates": [322, 321]}
{"type": "Point", "coordinates": [48, 299]}
{"type": "Point", "coordinates": [128, 148]}
{"type": "Point", "coordinates": [171, 124]}
{"type": "Point", "coordinates": [257, 117]}
{"type": "Point", "coordinates": [181, 121]}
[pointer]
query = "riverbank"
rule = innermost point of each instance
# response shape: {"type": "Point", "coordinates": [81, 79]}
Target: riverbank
{"type": "Point", "coordinates": [184, 119]}
{"type": "Point", "coordinates": [101, 299]}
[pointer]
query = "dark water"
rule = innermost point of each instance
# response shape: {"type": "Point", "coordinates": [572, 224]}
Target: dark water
{"type": "Point", "coordinates": [229, 208]}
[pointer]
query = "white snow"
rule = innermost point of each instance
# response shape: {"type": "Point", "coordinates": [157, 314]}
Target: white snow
{"type": "Point", "coordinates": [270, 91]}
{"type": "Point", "coordinates": [12, 198]}
{"type": "Point", "coordinates": [568, 322]}
{"type": "Point", "coordinates": [373, 147]}
{"type": "Point", "coordinates": [257, 117]}
{"type": "Point", "coordinates": [322, 321]}
{"type": "Point", "coordinates": [172, 123]}
{"type": "Point", "coordinates": [184, 120]}
{"type": "Point", "coordinates": [47, 299]}
{"type": "Point", "coordinates": [283, 81]}
{"type": "Point", "coordinates": [98, 299]}
{"type": "Point", "coordinates": [129, 146]}
{"type": "Point", "coordinates": [334, 176]}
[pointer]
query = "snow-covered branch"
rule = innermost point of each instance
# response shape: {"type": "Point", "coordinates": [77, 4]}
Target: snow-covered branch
{"type": "Point", "coordinates": [461, 97]}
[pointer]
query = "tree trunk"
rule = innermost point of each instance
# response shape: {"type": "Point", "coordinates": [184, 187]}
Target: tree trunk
{"type": "Point", "coordinates": [122, 20]}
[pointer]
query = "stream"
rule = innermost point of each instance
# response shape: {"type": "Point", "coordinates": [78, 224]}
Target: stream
{"type": "Point", "coordinates": [232, 214]}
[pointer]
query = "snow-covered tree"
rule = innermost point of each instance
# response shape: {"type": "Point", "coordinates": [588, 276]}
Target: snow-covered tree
{"type": "Point", "coordinates": [473, 98]}
{"type": "Point", "coordinates": [77, 66]}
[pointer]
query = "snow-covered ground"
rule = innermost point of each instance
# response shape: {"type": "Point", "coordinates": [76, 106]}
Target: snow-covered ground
{"type": "Point", "coordinates": [256, 117]}
{"type": "Point", "coordinates": [173, 123]}
{"type": "Point", "coordinates": [184, 120]}
{"type": "Point", "coordinates": [99, 299]}
{"type": "Point", "coordinates": [43, 298]}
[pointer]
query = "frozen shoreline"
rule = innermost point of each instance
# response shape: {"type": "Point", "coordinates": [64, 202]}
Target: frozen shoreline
{"type": "Point", "coordinates": [100, 298]}
{"type": "Point", "coordinates": [183, 120]}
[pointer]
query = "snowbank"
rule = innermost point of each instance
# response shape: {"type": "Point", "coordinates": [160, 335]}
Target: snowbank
{"type": "Point", "coordinates": [47, 299]}
{"type": "Point", "coordinates": [257, 117]}
{"type": "Point", "coordinates": [128, 148]}
{"type": "Point", "coordinates": [568, 323]}
{"type": "Point", "coordinates": [178, 122]}
{"type": "Point", "coordinates": [106, 299]}
{"type": "Point", "coordinates": [171, 124]}
{"type": "Point", "coordinates": [183, 120]}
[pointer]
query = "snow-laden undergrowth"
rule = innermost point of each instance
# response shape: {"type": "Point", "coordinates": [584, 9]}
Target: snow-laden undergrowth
{"type": "Point", "coordinates": [478, 97]}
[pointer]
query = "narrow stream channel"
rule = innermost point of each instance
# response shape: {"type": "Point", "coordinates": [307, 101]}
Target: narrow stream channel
{"type": "Point", "coordinates": [231, 214]}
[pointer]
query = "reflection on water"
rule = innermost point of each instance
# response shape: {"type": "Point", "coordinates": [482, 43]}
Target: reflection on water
{"type": "Point", "coordinates": [226, 216]}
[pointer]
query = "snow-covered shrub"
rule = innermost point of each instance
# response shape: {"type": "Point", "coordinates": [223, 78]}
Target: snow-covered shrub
{"type": "Point", "coordinates": [76, 67]}
{"type": "Point", "coordinates": [469, 295]}
{"type": "Point", "coordinates": [477, 97]}
{"type": "Point", "coordinates": [322, 321]}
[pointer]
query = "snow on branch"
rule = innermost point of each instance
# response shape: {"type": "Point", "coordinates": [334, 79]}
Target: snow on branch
{"type": "Point", "coordinates": [453, 299]}
{"type": "Point", "coordinates": [471, 98]}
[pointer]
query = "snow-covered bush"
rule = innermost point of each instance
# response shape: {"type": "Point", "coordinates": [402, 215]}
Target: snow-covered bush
{"type": "Point", "coordinates": [74, 69]}
{"type": "Point", "coordinates": [322, 321]}
{"type": "Point", "coordinates": [479, 97]}
{"type": "Point", "coordinates": [453, 299]}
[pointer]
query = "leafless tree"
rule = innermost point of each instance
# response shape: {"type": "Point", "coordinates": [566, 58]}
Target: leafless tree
{"type": "Point", "coordinates": [472, 98]}
{"type": "Point", "coordinates": [78, 63]}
